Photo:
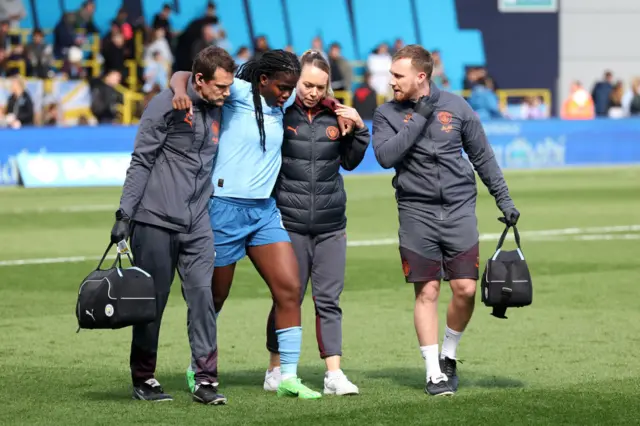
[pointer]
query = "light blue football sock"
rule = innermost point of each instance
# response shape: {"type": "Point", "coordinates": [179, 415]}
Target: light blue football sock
{"type": "Point", "coordinates": [289, 343]}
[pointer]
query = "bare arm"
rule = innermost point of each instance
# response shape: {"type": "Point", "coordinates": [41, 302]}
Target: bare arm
{"type": "Point", "coordinates": [178, 83]}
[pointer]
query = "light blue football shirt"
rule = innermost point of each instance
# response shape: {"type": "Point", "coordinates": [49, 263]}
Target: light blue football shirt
{"type": "Point", "coordinates": [242, 169]}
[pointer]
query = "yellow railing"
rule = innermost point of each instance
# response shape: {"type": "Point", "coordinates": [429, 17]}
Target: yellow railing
{"type": "Point", "coordinates": [129, 101]}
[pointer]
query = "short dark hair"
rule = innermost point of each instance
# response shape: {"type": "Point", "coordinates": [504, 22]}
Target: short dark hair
{"type": "Point", "coordinates": [209, 59]}
{"type": "Point", "coordinates": [420, 57]}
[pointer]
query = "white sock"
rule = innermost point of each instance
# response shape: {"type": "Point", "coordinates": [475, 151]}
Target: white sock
{"type": "Point", "coordinates": [334, 374]}
{"type": "Point", "coordinates": [450, 343]}
{"type": "Point", "coordinates": [432, 363]}
{"type": "Point", "coordinates": [275, 371]}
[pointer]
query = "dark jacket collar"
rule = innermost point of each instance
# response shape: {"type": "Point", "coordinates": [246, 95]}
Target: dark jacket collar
{"type": "Point", "coordinates": [193, 95]}
{"type": "Point", "coordinates": [434, 93]}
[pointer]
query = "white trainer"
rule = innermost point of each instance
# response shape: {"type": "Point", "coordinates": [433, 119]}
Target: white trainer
{"type": "Point", "coordinates": [272, 380]}
{"type": "Point", "coordinates": [339, 385]}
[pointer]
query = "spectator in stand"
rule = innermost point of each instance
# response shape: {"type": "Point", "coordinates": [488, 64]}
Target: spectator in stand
{"type": "Point", "coordinates": [601, 93]}
{"type": "Point", "coordinates": [222, 41]}
{"type": "Point", "coordinates": [446, 85]}
{"type": "Point", "coordinates": [438, 68]}
{"type": "Point", "coordinates": [105, 98]}
{"type": "Point", "coordinates": [615, 109]}
{"type": "Point", "coordinates": [19, 110]}
{"type": "Point", "coordinates": [260, 46]}
{"type": "Point", "coordinates": [192, 33]}
{"type": "Point", "coordinates": [125, 27]}
{"type": "Point", "coordinates": [631, 99]}
{"type": "Point", "coordinates": [39, 56]}
{"type": "Point", "coordinates": [7, 40]}
{"type": "Point", "coordinates": [64, 36]}
{"type": "Point", "coordinates": [207, 38]}
{"type": "Point", "coordinates": [161, 20]}
{"type": "Point", "coordinates": [378, 64]}
{"type": "Point", "coordinates": [160, 44]}
{"type": "Point", "coordinates": [84, 17]}
{"type": "Point", "coordinates": [365, 98]}
{"type": "Point", "coordinates": [3, 62]}
{"type": "Point", "coordinates": [484, 101]}
{"type": "Point", "coordinates": [155, 73]}
{"type": "Point", "coordinates": [113, 51]}
{"type": "Point", "coordinates": [50, 115]}
{"type": "Point", "coordinates": [579, 104]}
{"type": "Point", "coordinates": [318, 45]}
{"type": "Point", "coordinates": [397, 45]}
{"type": "Point", "coordinates": [532, 108]}
{"type": "Point", "coordinates": [72, 68]}
{"type": "Point", "coordinates": [242, 55]}
{"type": "Point", "coordinates": [341, 73]}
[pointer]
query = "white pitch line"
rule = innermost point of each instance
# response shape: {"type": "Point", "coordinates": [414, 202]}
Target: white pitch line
{"type": "Point", "coordinates": [577, 234]}
{"type": "Point", "coordinates": [63, 209]}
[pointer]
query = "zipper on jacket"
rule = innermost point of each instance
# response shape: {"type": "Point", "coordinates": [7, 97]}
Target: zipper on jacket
{"type": "Point", "coordinates": [313, 172]}
{"type": "Point", "coordinates": [438, 183]}
{"type": "Point", "coordinates": [195, 185]}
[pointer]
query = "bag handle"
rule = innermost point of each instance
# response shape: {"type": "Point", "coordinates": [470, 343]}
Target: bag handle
{"type": "Point", "coordinates": [118, 259]}
{"type": "Point", "coordinates": [504, 235]}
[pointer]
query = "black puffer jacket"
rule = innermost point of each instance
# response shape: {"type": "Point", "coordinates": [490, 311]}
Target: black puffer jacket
{"type": "Point", "coordinates": [310, 191]}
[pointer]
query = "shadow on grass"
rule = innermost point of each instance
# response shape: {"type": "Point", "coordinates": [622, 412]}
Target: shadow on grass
{"type": "Point", "coordinates": [415, 378]}
{"type": "Point", "coordinates": [252, 379]}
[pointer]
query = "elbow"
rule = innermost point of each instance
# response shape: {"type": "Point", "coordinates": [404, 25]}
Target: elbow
{"type": "Point", "coordinates": [384, 162]}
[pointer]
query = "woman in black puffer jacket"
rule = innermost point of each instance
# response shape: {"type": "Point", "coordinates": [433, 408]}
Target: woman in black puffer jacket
{"type": "Point", "coordinates": [311, 197]}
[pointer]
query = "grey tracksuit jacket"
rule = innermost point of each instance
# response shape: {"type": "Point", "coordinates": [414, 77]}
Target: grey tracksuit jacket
{"type": "Point", "coordinates": [168, 183]}
{"type": "Point", "coordinates": [312, 201]}
{"type": "Point", "coordinates": [166, 193]}
{"type": "Point", "coordinates": [431, 174]}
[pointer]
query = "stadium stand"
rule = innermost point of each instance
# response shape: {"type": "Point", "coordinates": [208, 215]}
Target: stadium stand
{"type": "Point", "coordinates": [359, 26]}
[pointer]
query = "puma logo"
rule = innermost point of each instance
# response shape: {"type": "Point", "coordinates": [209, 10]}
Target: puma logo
{"type": "Point", "coordinates": [90, 314]}
{"type": "Point", "coordinates": [293, 130]}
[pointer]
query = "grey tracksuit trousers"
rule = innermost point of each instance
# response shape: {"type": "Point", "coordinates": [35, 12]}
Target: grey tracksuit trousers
{"type": "Point", "coordinates": [323, 259]}
{"type": "Point", "coordinates": [160, 252]}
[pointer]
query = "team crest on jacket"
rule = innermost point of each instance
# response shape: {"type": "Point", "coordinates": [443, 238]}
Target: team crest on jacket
{"type": "Point", "coordinates": [215, 130]}
{"type": "Point", "coordinates": [333, 133]}
{"type": "Point", "coordinates": [445, 118]}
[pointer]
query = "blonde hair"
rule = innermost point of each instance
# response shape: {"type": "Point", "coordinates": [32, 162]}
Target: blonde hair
{"type": "Point", "coordinates": [316, 59]}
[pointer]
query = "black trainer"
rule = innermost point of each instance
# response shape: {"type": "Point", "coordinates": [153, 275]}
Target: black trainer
{"type": "Point", "coordinates": [450, 368]}
{"type": "Point", "coordinates": [441, 388]}
{"type": "Point", "coordinates": [150, 391]}
{"type": "Point", "coordinates": [207, 394]}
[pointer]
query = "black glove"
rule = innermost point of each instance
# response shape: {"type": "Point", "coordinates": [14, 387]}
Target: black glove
{"type": "Point", "coordinates": [511, 217]}
{"type": "Point", "coordinates": [120, 230]}
{"type": "Point", "coordinates": [425, 107]}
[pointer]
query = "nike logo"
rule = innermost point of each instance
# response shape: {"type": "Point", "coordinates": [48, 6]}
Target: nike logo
{"type": "Point", "coordinates": [293, 130]}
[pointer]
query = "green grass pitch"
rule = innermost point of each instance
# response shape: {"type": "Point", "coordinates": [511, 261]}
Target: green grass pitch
{"type": "Point", "coordinates": [570, 358]}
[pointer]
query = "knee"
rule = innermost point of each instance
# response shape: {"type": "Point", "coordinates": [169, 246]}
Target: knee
{"type": "Point", "coordinates": [464, 289]}
{"type": "Point", "coordinates": [428, 293]}
{"type": "Point", "coordinates": [288, 295]}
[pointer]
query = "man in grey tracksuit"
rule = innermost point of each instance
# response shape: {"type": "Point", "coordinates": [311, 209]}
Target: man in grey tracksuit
{"type": "Point", "coordinates": [311, 197]}
{"type": "Point", "coordinates": [164, 205]}
{"type": "Point", "coordinates": [422, 134]}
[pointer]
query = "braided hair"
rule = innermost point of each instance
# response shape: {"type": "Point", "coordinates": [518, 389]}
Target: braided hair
{"type": "Point", "coordinates": [268, 64]}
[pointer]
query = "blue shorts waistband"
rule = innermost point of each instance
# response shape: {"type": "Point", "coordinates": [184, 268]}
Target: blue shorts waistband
{"type": "Point", "coordinates": [245, 202]}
